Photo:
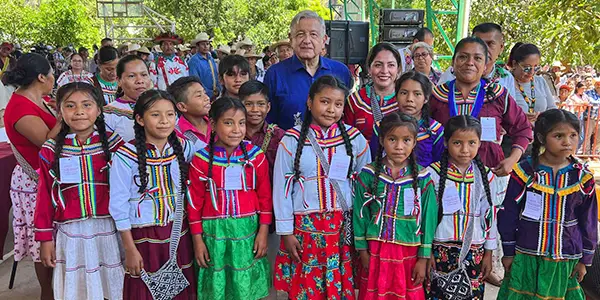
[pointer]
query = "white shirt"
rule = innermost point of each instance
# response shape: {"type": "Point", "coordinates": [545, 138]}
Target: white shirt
{"type": "Point", "coordinates": [543, 96]}
{"type": "Point", "coordinates": [118, 117]}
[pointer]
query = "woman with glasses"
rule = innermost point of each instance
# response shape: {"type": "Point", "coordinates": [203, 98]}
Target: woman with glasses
{"type": "Point", "coordinates": [533, 94]}
{"type": "Point", "coordinates": [375, 100]}
{"type": "Point", "coordinates": [76, 73]}
{"type": "Point", "coordinates": [422, 56]}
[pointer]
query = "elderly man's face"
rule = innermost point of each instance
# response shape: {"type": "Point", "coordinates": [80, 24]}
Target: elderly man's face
{"type": "Point", "coordinates": [308, 38]}
{"type": "Point", "coordinates": [167, 47]}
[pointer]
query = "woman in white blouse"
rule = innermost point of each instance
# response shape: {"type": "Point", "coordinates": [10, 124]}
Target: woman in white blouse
{"type": "Point", "coordinates": [76, 73]}
{"type": "Point", "coordinates": [532, 92]}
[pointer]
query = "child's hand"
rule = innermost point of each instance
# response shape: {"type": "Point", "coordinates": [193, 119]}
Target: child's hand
{"type": "Point", "coordinates": [486, 264]}
{"type": "Point", "coordinates": [580, 271]}
{"type": "Point", "coordinates": [134, 263]}
{"type": "Point", "coordinates": [48, 254]}
{"type": "Point", "coordinates": [260, 242]}
{"type": "Point", "coordinates": [431, 266]}
{"type": "Point", "coordinates": [200, 251]}
{"type": "Point", "coordinates": [292, 246]}
{"type": "Point", "coordinates": [419, 272]}
{"type": "Point", "coordinates": [364, 259]}
{"type": "Point", "coordinates": [507, 263]}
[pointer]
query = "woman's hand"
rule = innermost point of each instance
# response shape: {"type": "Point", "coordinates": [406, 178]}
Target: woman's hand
{"type": "Point", "coordinates": [260, 242]}
{"type": "Point", "coordinates": [292, 246]}
{"type": "Point", "coordinates": [48, 254]}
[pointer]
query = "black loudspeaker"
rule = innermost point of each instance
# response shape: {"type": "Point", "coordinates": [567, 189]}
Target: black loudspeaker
{"type": "Point", "coordinates": [348, 41]}
{"type": "Point", "coordinates": [402, 16]}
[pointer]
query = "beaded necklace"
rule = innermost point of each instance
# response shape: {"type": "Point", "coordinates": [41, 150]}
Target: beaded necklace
{"type": "Point", "coordinates": [530, 101]}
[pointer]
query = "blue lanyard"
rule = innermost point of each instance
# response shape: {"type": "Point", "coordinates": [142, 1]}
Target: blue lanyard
{"type": "Point", "coordinates": [478, 101]}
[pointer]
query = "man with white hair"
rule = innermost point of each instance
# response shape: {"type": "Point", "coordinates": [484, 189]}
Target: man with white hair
{"type": "Point", "coordinates": [290, 80]}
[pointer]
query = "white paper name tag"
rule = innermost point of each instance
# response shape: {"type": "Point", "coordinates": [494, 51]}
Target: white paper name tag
{"type": "Point", "coordinates": [451, 201]}
{"type": "Point", "coordinates": [338, 168]}
{"type": "Point", "coordinates": [533, 206]}
{"type": "Point", "coordinates": [233, 178]}
{"type": "Point", "coordinates": [409, 200]}
{"type": "Point", "coordinates": [70, 170]}
{"type": "Point", "coordinates": [488, 129]}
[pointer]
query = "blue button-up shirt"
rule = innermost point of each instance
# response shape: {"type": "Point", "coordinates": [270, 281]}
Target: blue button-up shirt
{"type": "Point", "coordinates": [207, 71]}
{"type": "Point", "coordinates": [289, 82]}
{"type": "Point", "coordinates": [594, 98]}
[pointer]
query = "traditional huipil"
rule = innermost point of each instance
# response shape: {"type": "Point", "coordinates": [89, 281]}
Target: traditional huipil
{"type": "Point", "coordinates": [150, 215]}
{"type": "Point", "coordinates": [68, 77]}
{"type": "Point", "coordinates": [474, 207]}
{"type": "Point", "coordinates": [164, 70]}
{"type": "Point", "coordinates": [548, 224]}
{"type": "Point", "coordinates": [109, 89]}
{"type": "Point", "coordinates": [186, 130]}
{"type": "Point", "coordinates": [396, 228]}
{"type": "Point", "coordinates": [498, 75]}
{"type": "Point", "coordinates": [75, 215]}
{"type": "Point", "coordinates": [359, 111]}
{"type": "Point", "coordinates": [227, 211]}
{"type": "Point", "coordinates": [268, 138]}
{"type": "Point", "coordinates": [118, 117]}
{"type": "Point", "coordinates": [309, 208]}
{"type": "Point", "coordinates": [486, 100]}
{"type": "Point", "coordinates": [430, 142]}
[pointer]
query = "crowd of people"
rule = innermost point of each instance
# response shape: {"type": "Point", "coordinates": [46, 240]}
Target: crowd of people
{"type": "Point", "coordinates": [153, 172]}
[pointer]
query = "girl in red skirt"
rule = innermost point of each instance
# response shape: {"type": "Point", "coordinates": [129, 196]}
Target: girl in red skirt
{"type": "Point", "coordinates": [314, 262]}
{"type": "Point", "coordinates": [144, 182]}
{"type": "Point", "coordinates": [395, 215]}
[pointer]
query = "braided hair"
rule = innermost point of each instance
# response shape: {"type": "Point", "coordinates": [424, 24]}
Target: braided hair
{"type": "Point", "coordinates": [461, 123]}
{"type": "Point", "coordinates": [425, 87]}
{"type": "Point", "coordinates": [64, 93]}
{"type": "Point", "coordinates": [389, 123]}
{"type": "Point", "coordinates": [217, 109]}
{"type": "Point", "coordinates": [545, 123]}
{"type": "Point", "coordinates": [146, 100]}
{"type": "Point", "coordinates": [323, 82]}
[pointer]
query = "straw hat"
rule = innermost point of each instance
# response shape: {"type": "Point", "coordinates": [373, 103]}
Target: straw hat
{"type": "Point", "coordinates": [133, 47]}
{"type": "Point", "coordinates": [559, 65]}
{"type": "Point", "coordinates": [276, 45]}
{"type": "Point", "coordinates": [182, 48]}
{"type": "Point", "coordinates": [201, 37]}
{"type": "Point", "coordinates": [245, 42]}
{"type": "Point", "coordinates": [168, 36]}
{"type": "Point", "coordinates": [144, 50]}
{"type": "Point", "coordinates": [250, 54]}
{"type": "Point", "coordinates": [224, 49]}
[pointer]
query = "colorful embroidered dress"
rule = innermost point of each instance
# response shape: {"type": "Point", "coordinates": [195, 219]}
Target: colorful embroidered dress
{"type": "Point", "coordinates": [165, 70]}
{"type": "Point", "coordinates": [118, 117]}
{"type": "Point", "coordinates": [358, 112]}
{"type": "Point", "coordinates": [430, 142]}
{"type": "Point", "coordinates": [474, 207]}
{"type": "Point", "coordinates": [268, 139]}
{"type": "Point", "coordinates": [228, 219]}
{"type": "Point", "coordinates": [308, 208]}
{"type": "Point", "coordinates": [109, 89]}
{"type": "Point", "coordinates": [68, 77]}
{"type": "Point", "coordinates": [494, 102]}
{"type": "Point", "coordinates": [76, 217]}
{"type": "Point", "coordinates": [149, 215]}
{"type": "Point", "coordinates": [395, 234]}
{"type": "Point", "coordinates": [552, 233]}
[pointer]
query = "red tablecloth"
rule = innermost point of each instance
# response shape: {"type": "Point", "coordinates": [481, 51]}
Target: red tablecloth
{"type": "Point", "coordinates": [7, 164]}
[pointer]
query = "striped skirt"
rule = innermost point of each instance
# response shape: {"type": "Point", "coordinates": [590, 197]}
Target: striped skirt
{"type": "Point", "coordinates": [88, 261]}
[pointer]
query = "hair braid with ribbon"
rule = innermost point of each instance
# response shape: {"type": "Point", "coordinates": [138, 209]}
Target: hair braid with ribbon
{"type": "Point", "coordinates": [183, 166]}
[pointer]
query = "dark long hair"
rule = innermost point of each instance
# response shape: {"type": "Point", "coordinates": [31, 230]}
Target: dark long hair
{"type": "Point", "coordinates": [461, 123]}
{"type": "Point", "coordinates": [389, 123]}
{"type": "Point", "coordinates": [63, 93]}
{"type": "Point", "coordinates": [320, 84]}
{"type": "Point", "coordinates": [545, 122]}
{"type": "Point", "coordinates": [383, 47]}
{"type": "Point", "coordinates": [425, 86]}
{"type": "Point", "coordinates": [28, 68]}
{"type": "Point", "coordinates": [217, 109]}
{"type": "Point", "coordinates": [144, 102]}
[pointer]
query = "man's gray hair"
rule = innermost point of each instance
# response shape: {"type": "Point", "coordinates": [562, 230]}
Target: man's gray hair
{"type": "Point", "coordinates": [307, 14]}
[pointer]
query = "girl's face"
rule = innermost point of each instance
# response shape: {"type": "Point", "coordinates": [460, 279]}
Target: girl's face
{"type": "Point", "coordinates": [398, 144]}
{"type": "Point", "coordinates": [463, 146]}
{"type": "Point", "coordinates": [234, 80]}
{"type": "Point", "coordinates": [469, 63]}
{"type": "Point", "coordinates": [384, 69]}
{"type": "Point", "coordinates": [80, 112]}
{"type": "Point", "coordinates": [561, 141]}
{"type": "Point", "coordinates": [327, 106]}
{"type": "Point", "coordinates": [197, 103]}
{"type": "Point", "coordinates": [108, 70]}
{"type": "Point", "coordinates": [158, 120]}
{"type": "Point", "coordinates": [135, 79]}
{"type": "Point", "coordinates": [230, 128]}
{"type": "Point", "coordinates": [411, 98]}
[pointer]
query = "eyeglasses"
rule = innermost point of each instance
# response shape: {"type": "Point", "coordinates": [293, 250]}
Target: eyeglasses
{"type": "Point", "coordinates": [419, 56]}
{"type": "Point", "coordinates": [528, 69]}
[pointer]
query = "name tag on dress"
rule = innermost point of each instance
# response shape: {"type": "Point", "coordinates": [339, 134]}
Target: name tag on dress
{"type": "Point", "coordinates": [451, 201]}
{"type": "Point", "coordinates": [488, 129]}
{"type": "Point", "coordinates": [70, 170]}
{"type": "Point", "coordinates": [338, 168]}
{"type": "Point", "coordinates": [233, 178]}
{"type": "Point", "coordinates": [533, 206]}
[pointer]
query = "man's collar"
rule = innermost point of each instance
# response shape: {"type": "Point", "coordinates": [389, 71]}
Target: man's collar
{"type": "Point", "coordinates": [297, 64]}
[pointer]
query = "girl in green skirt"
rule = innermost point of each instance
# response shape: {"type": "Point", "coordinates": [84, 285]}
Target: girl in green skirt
{"type": "Point", "coordinates": [549, 222]}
